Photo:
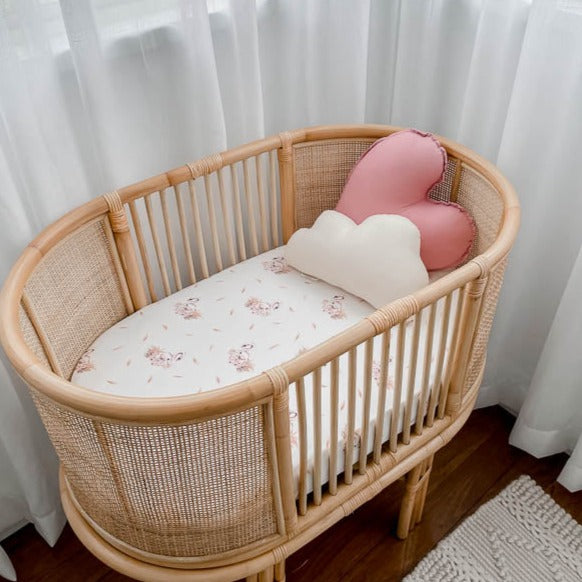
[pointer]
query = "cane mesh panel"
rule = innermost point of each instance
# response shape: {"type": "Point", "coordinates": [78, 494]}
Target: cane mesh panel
{"type": "Point", "coordinates": [488, 307]}
{"type": "Point", "coordinates": [187, 490]}
{"type": "Point", "coordinates": [31, 338]}
{"type": "Point", "coordinates": [484, 204]}
{"type": "Point", "coordinates": [75, 293]}
{"type": "Point", "coordinates": [321, 170]}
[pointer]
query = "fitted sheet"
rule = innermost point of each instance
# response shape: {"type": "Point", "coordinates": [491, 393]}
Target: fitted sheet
{"type": "Point", "coordinates": [236, 324]}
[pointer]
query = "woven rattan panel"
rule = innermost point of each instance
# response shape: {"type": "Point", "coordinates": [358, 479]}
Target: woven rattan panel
{"type": "Point", "coordinates": [442, 191]}
{"type": "Point", "coordinates": [75, 294]}
{"type": "Point", "coordinates": [485, 205]}
{"type": "Point", "coordinates": [31, 337]}
{"type": "Point", "coordinates": [188, 490]}
{"type": "Point", "coordinates": [488, 307]}
{"type": "Point", "coordinates": [321, 170]}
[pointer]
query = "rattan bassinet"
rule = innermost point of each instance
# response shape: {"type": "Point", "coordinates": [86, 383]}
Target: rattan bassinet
{"type": "Point", "coordinates": [201, 487]}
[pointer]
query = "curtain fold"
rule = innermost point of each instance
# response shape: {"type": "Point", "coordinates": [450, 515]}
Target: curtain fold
{"type": "Point", "coordinates": [98, 94]}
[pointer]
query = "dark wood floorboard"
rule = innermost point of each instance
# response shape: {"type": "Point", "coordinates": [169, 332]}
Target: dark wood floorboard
{"type": "Point", "coordinates": [469, 471]}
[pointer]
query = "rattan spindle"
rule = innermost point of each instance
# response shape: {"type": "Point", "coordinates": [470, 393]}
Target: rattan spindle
{"type": "Point", "coordinates": [157, 246]}
{"type": "Point", "coordinates": [397, 395]}
{"type": "Point", "coordinates": [170, 240]}
{"type": "Point", "coordinates": [143, 251]}
{"type": "Point", "coordinates": [195, 210]}
{"type": "Point", "coordinates": [382, 389]}
{"type": "Point", "coordinates": [317, 436]}
{"type": "Point", "coordinates": [250, 208]}
{"type": "Point", "coordinates": [212, 221]}
{"type": "Point", "coordinates": [273, 198]}
{"type": "Point", "coordinates": [438, 376]}
{"type": "Point", "coordinates": [303, 445]}
{"type": "Point", "coordinates": [226, 217]}
{"type": "Point", "coordinates": [352, 375]}
{"type": "Point", "coordinates": [184, 233]}
{"type": "Point", "coordinates": [455, 339]}
{"type": "Point", "coordinates": [262, 203]}
{"type": "Point", "coordinates": [333, 440]}
{"type": "Point", "coordinates": [240, 231]}
{"type": "Point", "coordinates": [366, 400]}
{"type": "Point", "coordinates": [411, 379]}
{"type": "Point", "coordinates": [426, 368]}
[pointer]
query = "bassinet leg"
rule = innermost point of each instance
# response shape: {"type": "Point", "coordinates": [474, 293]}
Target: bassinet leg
{"type": "Point", "coordinates": [272, 573]}
{"type": "Point", "coordinates": [414, 497]}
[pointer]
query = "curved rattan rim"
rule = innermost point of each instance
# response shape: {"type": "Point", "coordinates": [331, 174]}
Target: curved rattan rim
{"type": "Point", "coordinates": [182, 408]}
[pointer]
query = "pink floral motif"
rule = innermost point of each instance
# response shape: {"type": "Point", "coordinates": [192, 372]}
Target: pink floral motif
{"type": "Point", "coordinates": [334, 307]}
{"type": "Point", "coordinates": [240, 358]}
{"type": "Point", "coordinates": [188, 309]}
{"type": "Point", "coordinates": [85, 364]}
{"type": "Point", "coordinates": [162, 358]}
{"type": "Point", "coordinates": [376, 370]}
{"type": "Point", "coordinates": [277, 265]}
{"type": "Point", "coordinates": [261, 307]}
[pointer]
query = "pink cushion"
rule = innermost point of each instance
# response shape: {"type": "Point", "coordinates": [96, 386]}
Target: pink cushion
{"type": "Point", "coordinates": [395, 176]}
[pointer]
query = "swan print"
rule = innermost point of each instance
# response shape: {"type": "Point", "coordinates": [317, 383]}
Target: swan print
{"type": "Point", "coordinates": [334, 307]}
{"type": "Point", "coordinates": [240, 358]}
{"type": "Point", "coordinates": [162, 358]}
{"type": "Point", "coordinates": [188, 309]}
{"type": "Point", "coordinates": [277, 265]}
{"type": "Point", "coordinates": [261, 307]}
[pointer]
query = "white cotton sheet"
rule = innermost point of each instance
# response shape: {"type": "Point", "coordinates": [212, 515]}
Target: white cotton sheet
{"type": "Point", "coordinates": [238, 323]}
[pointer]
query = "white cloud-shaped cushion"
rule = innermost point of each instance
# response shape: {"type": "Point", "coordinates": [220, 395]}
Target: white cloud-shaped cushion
{"type": "Point", "coordinates": [377, 260]}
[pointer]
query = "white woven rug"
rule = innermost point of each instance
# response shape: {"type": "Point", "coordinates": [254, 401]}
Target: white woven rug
{"type": "Point", "coordinates": [522, 535]}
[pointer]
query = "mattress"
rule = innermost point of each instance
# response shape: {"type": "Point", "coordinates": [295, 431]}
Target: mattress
{"type": "Point", "coordinates": [233, 326]}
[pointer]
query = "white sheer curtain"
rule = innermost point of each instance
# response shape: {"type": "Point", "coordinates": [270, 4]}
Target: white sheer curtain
{"type": "Point", "coordinates": [96, 94]}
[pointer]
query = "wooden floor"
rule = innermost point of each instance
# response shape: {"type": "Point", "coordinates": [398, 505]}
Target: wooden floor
{"type": "Point", "coordinates": [474, 467]}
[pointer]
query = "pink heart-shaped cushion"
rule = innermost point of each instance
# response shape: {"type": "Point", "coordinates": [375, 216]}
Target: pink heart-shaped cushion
{"type": "Point", "coordinates": [395, 176]}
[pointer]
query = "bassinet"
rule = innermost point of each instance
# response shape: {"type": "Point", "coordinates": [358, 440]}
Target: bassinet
{"type": "Point", "coordinates": [202, 486]}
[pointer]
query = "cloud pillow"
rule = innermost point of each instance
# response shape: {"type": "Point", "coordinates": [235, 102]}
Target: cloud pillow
{"type": "Point", "coordinates": [377, 260]}
{"type": "Point", "coordinates": [395, 176]}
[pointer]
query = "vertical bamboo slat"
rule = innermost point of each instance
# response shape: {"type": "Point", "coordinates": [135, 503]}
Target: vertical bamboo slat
{"type": "Point", "coordinates": [194, 208]}
{"type": "Point", "coordinates": [451, 355]}
{"type": "Point", "coordinates": [382, 388]}
{"type": "Point", "coordinates": [118, 267]}
{"type": "Point", "coordinates": [212, 221]}
{"type": "Point", "coordinates": [419, 424]}
{"type": "Point", "coordinates": [411, 380]}
{"type": "Point", "coordinates": [365, 430]}
{"type": "Point", "coordinates": [334, 374]}
{"type": "Point", "coordinates": [225, 218]}
{"type": "Point", "coordinates": [280, 571]}
{"type": "Point", "coordinates": [170, 240]}
{"type": "Point", "coordinates": [250, 208]}
{"type": "Point", "coordinates": [143, 251]}
{"type": "Point", "coordinates": [262, 203]}
{"type": "Point", "coordinates": [352, 371]}
{"type": "Point", "coordinates": [157, 246]}
{"type": "Point", "coordinates": [303, 444]}
{"type": "Point", "coordinates": [280, 383]}
{"type": "Point", "coordinates": [317, 436]}
{"type": "Point", "coordinates": [273, 198]}
{"type": "Point", "coordinates": [438, 377]}
{"type": "Point", "coordinates": [473, 295]}
{"type": "Point", "coordinates": [270, 441]}
{"type": "Point", "coordinates": [125, 248]}
{"type": "Point", "coordinates": [287, 180]}
{"type": "Point", "coordinates": [185, 238]}
{"type": "Point", "coordinates": [240, 233]}
{"type": "Point", "coordinates": [396, 398]}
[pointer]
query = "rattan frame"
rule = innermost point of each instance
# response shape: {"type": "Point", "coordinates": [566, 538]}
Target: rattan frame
{"type": "Point", "coordinates": [477, 281]}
